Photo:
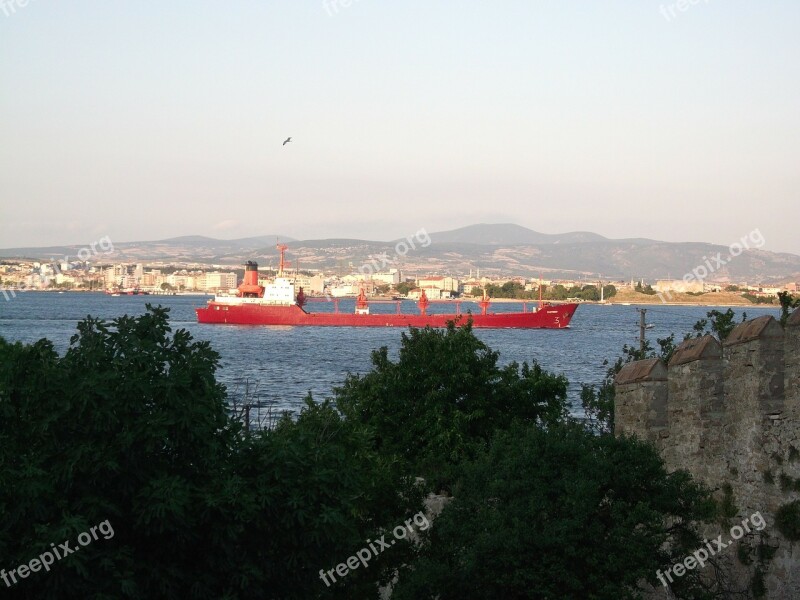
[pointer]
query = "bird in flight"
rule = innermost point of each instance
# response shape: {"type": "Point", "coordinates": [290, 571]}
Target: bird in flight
{"type": "Point", "coordinates": [288, 139]}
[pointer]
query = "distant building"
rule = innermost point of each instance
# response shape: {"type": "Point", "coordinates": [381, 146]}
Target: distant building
{"type": "Point", "coordinates": [311, 285]}
{"type": "Point", "coordinates": [352, 289]}
{"type": "Point", "coordinates": [390, 277]}
{"type": "Point", "coordinates": [433, 293]}
{"type": "Point", "coordinates": [770, 291]}
{"type": "Point", "coordinates": [472, 286]}
{"type": "Point", "coordinates": [182, 281]}
{"type": "Point", "coordinates": [215, 281]}
{"type": "Point", "coordinates": [450, 284]}
{"type": "Point", "coordinates": [678, 285]}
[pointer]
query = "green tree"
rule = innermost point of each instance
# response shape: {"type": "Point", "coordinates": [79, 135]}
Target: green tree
{"type": "Point", "coordinates": [510, 289]}
{"type": "Point", "coordinates": [404, 287]}
{"type": "Point", "coordinates": [648, 289]}
{"type": "Point", "coordinates": [557, 292]}
{"type": "Point", "coordinates": [445, 393]}
{"type": "Point", "coordinates": [609, 291]}
{"type": "Point", "coordinates": [589, 292]}
{"type": "Point", "coordinates": [312, 492]}
{"type": "Point", "coordinates": [718, 323]}
{"type": "Point", "coordinates": [788, 304]}
{"type": "Point", "coordinates": [759, 299]}
{"type": "Point", "coordinates": [131, 426]}
{"type": "Point", "coordinates": [492, 291]}
{"type": "Point", "coordinates": [552, 513]}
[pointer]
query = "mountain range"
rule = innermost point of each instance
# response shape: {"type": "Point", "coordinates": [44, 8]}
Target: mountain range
{"type": "Point", "coordinates": [494, 249]}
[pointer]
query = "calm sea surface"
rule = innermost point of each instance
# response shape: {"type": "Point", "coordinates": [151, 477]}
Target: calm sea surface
{"type": "Point", "coordinates": [288, 362]}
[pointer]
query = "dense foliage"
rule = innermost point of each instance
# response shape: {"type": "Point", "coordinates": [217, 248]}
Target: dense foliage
{"type": "Point", "coordinates": [403, 288]}
{"type": "Point", "coordinates": [444, 394]}
{"type": "Point", "coordinates": [514, 289]}
{"type": "Point", "coordinates": [758, 299]}
{"type": "Point", "coordinates": [559, 513]}
{"type": "Point", "coordinates": [648, 289]}
{"type": "Point", "coordinates": [788, 304]}
{"type": "Point", "coordinates": [717, 323]}
{"type": "Point", "coordinates": [130, 426]}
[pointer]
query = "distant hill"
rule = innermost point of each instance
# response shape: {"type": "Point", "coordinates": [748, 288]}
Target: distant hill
{"type": "Point", "coordinates": [187, 248]}
{"type": "Point", "coordinates": [499, 249]}
{"type": "Point", "coordinates": [508, 233]}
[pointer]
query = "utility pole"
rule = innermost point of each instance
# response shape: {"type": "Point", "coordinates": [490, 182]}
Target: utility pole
{"type": "Point", "coordinates": [642, 326]}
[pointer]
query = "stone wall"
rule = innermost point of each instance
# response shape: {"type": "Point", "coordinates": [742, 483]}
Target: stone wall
{"type": "Point", "coordinates": [730, 415]}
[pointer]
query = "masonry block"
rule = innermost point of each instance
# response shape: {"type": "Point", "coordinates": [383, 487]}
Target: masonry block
{"type": "Point", "coordinates": [641, 400]}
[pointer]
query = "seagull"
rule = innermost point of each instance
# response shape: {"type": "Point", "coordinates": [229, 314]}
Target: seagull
{"type": "Point", "coordinates": [288, 139]}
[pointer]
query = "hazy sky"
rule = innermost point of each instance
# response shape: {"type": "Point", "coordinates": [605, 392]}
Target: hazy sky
{"type": "Point", "coordinates": [144, 120]}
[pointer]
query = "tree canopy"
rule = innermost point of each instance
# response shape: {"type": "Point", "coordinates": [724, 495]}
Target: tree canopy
{"type": "Point", "coordinates": [130, 426]}
{"type": "Point", "coordinates": [558, 513]}
{"type": "Point", "coordinates": [445, 393]}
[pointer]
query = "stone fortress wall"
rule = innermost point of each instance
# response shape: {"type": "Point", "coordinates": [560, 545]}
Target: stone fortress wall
{"type": "Point", "coordinates": [730, 415]}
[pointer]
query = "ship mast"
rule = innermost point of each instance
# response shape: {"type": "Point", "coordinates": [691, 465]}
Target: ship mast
{"type": "Point", "coordinates": [540, 290]}
{"type": "Point", "coordinates": [282, 248]}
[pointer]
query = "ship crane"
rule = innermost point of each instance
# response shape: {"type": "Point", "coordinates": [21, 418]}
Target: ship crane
{"type": "Point", "coordinates": [484, 303]}
{"type": "Point", "coordinates": [282, 249]}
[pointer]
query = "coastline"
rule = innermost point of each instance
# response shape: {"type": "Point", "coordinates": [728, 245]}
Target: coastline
{"type": "Point", "coordinates": [726, 299]}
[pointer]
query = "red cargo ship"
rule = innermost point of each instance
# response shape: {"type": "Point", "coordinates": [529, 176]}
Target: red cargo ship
{"type": "Point", "coordinates": [277, 304]}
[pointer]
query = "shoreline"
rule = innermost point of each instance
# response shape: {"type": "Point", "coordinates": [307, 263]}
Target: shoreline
{"type": "Point", "coordinates": [613, 302]}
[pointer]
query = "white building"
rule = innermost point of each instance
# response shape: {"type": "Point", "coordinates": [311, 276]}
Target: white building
{"type": "Point", "coordinates": [215, 281]}
{"type": "Point", "coordinates": [432, 293]}
{"type": "Point", "coordinates": [312, 285]}
{"type": "Point", "coordinates": [352, 289]}
{"type": "Point", "coordinates": [390, 277]}
{"type": "Point", "coordinates": [678, 285]}
{"type": "Point", "coordinates": [450, 284]}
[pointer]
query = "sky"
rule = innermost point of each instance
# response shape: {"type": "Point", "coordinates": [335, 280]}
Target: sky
{"type": "Point", "coordinates": [147, 120]}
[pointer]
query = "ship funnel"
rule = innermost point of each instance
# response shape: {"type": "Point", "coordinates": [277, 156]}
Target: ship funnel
{"type": "Point", "coordinates": [250, 287]}
{"type": "Point", "coordinates": [250, 273]}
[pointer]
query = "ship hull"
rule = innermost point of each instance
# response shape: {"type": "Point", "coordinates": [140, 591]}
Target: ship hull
{"type": "Point", "coordinates": [548, 317]}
